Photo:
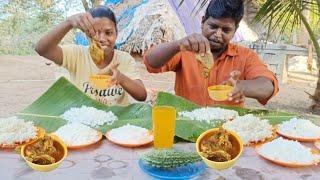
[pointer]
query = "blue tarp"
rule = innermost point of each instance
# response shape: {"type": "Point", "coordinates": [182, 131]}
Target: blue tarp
{"type": "Point", "coordinates": [81, 39]}
{"type": "Point", "coordinates": [113, 2]}
{"type": "Point", "coordinates": [123, 20]}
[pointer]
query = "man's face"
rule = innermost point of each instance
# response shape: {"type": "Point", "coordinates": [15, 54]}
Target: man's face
{"type": "Point", "coordinates": [219, 32]}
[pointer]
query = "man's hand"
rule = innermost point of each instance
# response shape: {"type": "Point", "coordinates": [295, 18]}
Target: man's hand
{"type": "Point", "coordinates": [237, 94]}
{"type": "Point", "coordinates": [196, 43]}
{"type": "Point", "coordinates": [85, 22]}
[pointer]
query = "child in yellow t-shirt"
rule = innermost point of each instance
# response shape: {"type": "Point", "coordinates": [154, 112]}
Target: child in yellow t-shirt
{"type": "Point", "coordinates": [100, 24]}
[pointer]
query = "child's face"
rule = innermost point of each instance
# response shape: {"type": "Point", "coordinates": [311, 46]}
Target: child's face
{"type": "Point", "coordinates": [106, 33]}
{"type": "Point", "coordinates": [219, 32]}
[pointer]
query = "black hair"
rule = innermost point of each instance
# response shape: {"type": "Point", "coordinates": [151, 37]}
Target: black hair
{"type": "Point", "coordinates": [103, 11]}
{"type": "Point", "coordinates": [225, 9]}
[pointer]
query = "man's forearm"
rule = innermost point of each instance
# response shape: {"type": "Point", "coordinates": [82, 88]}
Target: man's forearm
{"type": "Point", "coordinates": [259, 88]}
{"type": "Point", "coordinates": [161, 54]}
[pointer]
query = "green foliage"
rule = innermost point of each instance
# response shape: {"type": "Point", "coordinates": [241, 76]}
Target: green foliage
{"type": "Point", "coordinates": [23, 22]}
{"type": "Point", "coordinates": [169, 158]}
{"type": "Point", "coordinates": [46, 110]}
{"type": "Point", "coordinates": [288, 14]}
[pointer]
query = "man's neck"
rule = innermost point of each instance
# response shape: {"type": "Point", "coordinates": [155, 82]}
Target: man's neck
{"type": "Point", "coordinates": [216, 54]}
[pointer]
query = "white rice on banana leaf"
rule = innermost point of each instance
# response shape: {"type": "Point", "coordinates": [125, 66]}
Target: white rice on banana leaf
{"type": "Point", "coordinates": [209, 114]}
{"type": "Point", "coordinates": [250, 128]}
{"type": "Point", "coordinates": [89, 116]}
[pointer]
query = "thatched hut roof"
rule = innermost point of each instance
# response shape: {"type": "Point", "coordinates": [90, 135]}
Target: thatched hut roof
{"type": "Point", "coordinates": [153, 22]}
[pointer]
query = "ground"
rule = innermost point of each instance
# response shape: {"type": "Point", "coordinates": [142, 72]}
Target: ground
{"type": "Point", "coordinates": [24, 78]}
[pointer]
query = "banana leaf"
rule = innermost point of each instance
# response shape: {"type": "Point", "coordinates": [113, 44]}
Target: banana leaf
{"type": "Point", "coordinates": [190, 130]}
{"type": "Point", "coordinates": [62, 95]}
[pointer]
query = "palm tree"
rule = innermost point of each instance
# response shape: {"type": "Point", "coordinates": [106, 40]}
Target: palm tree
{"type": "Point", "coordinates": [284, 14]}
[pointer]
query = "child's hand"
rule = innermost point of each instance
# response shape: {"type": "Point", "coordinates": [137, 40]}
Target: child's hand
{"type": "Point", "coordinates": [196, 43]}
{"type": "Point", "coordinates": [85, 22]}
{"type": "Point", "coordinates": [114, 72]}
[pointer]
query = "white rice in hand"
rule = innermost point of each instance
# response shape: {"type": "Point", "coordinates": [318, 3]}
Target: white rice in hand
{"type": "Point", "coordinates": [14, 130]}
{"type": "Point", "coordinates": [76, 134]}
{"type": "Point", "coordinates": [209, 114]}
{"type": "Point", "coordinates": [250, 128]}
{"type": "Point", "coordinates": [89, 116]}
{"type": "Point", "coordinates": [288, 151]}
{"type": "Point", "coordinates": [130, 134]}
{"type": "Point", "coordinates": [302, 128]}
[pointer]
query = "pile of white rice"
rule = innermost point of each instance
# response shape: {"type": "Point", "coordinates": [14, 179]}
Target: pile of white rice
{"type": "Point", "coordinates": [89, 116]}
{"type": "Point", "coordinates": [75, 134]}
{"type": "Point", "coordinates": [300, 128]}
{"type": "Point", "coordinates": [14, 130]}
{"type": "Point", "coordinates": [130, 134]}
{"type": "Point", "coordinates": [288, 151]}
{"type": "Point", "coordinates": [250, 128]}
{"type": "Point", "coordinates": [209, 114]}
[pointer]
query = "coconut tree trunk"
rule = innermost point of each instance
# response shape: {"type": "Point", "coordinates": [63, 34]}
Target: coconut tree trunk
{"type": "Point", "coordinates": [85, 5]}
{"type": "Point", "coordinates": [302, 39]}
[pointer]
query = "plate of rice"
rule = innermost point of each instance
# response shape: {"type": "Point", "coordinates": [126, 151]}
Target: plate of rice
{"type": "Point", "coordinates": [77, 135]}
{"type": "Point", "coordinates": [251, 129]}
{"type": "Point", "coordinates": [130, 136]}
{"type": "Point", "coordinates": [16, 132]}
{"type": "Point", "coordinates": [299, 129]}
{"type": "Point", "coordinates": [288, 153]}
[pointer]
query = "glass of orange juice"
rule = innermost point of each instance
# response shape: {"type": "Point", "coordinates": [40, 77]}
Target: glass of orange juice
{"type": "Point", "coordinates": [164, 124]}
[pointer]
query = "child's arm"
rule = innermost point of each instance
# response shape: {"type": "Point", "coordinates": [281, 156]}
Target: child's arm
{"type": "Point", "coordinates": [134, 87]}
{"type": "Point", "coordinates": [48, 45]}
{"type": "Point", "coordinates": [161, 54]}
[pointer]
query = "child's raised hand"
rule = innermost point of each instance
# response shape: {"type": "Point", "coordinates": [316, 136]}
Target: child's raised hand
{"type": "Point", "coordinates": [85, 22]}
{"type": "Point", "coordinates": [114, 72]}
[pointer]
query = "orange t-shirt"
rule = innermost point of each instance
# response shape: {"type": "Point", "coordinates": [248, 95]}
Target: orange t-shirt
{"type": "Point", "coordinates": [192, 85]}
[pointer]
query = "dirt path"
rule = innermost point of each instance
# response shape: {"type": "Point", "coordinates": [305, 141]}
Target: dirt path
{"type": "Point", "coordinates": [24, 78]}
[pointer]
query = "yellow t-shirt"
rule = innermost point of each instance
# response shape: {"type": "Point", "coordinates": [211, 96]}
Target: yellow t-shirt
{"type": "Point", "coordinates": [77, 60]}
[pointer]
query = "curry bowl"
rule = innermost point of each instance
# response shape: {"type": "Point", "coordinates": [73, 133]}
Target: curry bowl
{"type": "Point", "coordinates": [61, 155]}
{"type": "Point", "coordinates": [235, 152]}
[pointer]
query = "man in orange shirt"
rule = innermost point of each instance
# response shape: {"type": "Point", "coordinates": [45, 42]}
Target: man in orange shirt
{"type": "Point", "coordinates": [233, 64]}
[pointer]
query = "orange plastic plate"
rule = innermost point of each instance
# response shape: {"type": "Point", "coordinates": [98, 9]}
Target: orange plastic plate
{"type": "Point", "coordinates": [128, 144]}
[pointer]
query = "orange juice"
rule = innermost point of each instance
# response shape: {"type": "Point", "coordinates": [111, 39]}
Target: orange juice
{"type": "Point", "coordinates": [164, 123]}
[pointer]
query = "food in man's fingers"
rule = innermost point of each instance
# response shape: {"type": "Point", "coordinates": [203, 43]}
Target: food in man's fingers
{"type": "Point", "coordinates": [207, 62]}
